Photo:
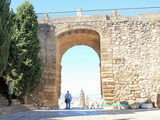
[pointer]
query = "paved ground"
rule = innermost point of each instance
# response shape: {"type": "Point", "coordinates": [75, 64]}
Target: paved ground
{"type": "Point", "coordinates": [99, 114]}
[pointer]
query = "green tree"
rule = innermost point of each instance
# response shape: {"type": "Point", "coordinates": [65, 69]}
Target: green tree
{"type": "Point", "coordinates": [5, 33]}
{"type": "Point", "coordinates": [24, 66]}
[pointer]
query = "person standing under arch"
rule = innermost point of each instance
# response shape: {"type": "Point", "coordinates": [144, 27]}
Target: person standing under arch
{"type": "Point", "coordinates": [68, 99]}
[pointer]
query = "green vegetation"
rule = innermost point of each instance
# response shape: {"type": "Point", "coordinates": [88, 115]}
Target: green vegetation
{"type": "Point", "coordinates": [24, 66]}
{"type": "Point", "coordinates": [5, 33]}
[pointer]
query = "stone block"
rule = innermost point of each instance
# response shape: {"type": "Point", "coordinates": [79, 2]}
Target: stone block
{"type": "Point", "coordinates": [133, 105]}
{"type": "Point", "coordinates": [122, 105]}
{"type": "Point", "coordinates": [109, 94]}
{"type": "Point", "coordinates": [106, 56]}
{"type": "Point", "coordinates": [107, 61]}
{"type": "Point", "coordinates": [126, 97]}
{"type": "Point", "coordinates": [49, 88]}
{"type": "Point", "coordinates": [110, 75]}
{"type": "Point", "coordinates": [158, 100]}
{"type": "Point", "coordinates": [108, 98]}
{"type": "Point", "coordinates": [108, 87]}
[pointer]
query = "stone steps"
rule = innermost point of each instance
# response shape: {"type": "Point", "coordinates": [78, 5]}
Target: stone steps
{"type": "Point", "coordinates": [16, 108]}
{"type": "Point", "coordinates": [4, 102]}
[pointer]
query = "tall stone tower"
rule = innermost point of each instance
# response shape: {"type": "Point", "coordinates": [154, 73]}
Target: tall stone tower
{"type": "Point", "coordinates": [81, 99]}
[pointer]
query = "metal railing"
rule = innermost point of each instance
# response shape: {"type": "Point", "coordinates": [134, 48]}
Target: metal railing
{"type": "Point", "coordinates": [122, 11]}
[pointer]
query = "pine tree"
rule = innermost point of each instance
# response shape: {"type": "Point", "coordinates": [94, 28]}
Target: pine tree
{"type": "Point", "coordinates": [24, 66]}
{"type": "Point", "coordinates": [5, 33]}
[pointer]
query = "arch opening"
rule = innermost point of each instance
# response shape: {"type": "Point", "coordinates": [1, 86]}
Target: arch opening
{"type": "Point", "coordinates": [80, 70]}
{"type": "Point", "coordinates": [80, 40]}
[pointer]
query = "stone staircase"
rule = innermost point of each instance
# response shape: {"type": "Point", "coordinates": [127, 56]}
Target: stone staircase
{"type": "Point", "coordinates": [15, 107]}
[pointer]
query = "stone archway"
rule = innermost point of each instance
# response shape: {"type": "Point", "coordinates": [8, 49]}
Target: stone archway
{"type": "Point", "coordinates": [75, 37]}
{"type": "Point", "coordinates": [117, 40]}
{"type": "Point", "coordinates": [68, 39]}
{"type": "Point", "coordinates": [55, 41]}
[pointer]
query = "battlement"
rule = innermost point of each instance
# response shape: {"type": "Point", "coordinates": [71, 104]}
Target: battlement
{"type": "Point", "coordinates": [99, 15]}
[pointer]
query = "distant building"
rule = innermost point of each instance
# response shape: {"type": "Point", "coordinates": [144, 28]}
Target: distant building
{"type": "Point", "coordinates": [81, 99]}
{"type": "Point", "coordinates": [87, 101]}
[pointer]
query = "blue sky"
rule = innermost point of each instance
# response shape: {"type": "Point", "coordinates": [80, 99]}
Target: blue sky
{"type": "Point", "coordinates": [44, 6]}
{"type": "Point", "coordinates": [80, 69]}
{"type": "Point", "coordinates": [80, 64]}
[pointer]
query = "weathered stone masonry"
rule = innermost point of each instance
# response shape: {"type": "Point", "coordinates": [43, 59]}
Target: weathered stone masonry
{"type": "Point", "coordinates": [128, 48]}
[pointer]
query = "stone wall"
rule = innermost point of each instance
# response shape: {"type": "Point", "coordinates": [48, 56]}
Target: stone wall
{"type": "Point", "coordinates": [45, 95]}
{"type": "Point", "coordinates": [128, 48]}
{"type": "Point", "coordinates": [136, 59]}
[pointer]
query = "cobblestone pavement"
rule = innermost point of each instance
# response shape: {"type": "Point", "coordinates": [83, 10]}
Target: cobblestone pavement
{"type": "Point", "coordinates": [93, 114]}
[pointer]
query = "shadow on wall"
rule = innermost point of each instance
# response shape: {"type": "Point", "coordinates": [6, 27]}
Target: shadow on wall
{"type": "Point", "coordinates": [3, 86]}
